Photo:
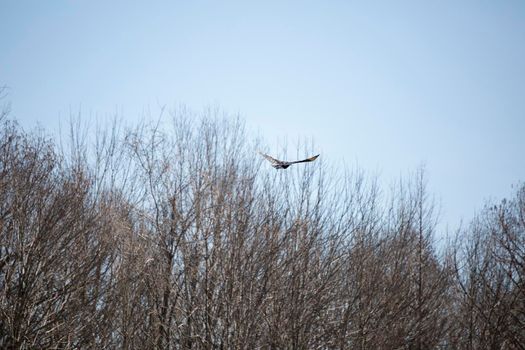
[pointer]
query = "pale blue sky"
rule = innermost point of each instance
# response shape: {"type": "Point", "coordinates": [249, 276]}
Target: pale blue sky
{"type": "Point", "coordinates": [387, 84]}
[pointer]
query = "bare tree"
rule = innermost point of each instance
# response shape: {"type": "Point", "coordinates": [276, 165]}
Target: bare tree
{"type": "Point", "coordinates": [54, 255]}
{"type": "Point", "coordinates": [173, 235]}
{"type": "Point", "coordinates": [489, 273]}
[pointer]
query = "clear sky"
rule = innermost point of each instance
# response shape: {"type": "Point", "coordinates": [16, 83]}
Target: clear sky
{"type": "Point", "coordinates": [386, 84]}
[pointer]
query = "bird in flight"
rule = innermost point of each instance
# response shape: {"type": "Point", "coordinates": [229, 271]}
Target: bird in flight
{"type": "Point", "coordinates": [281, 164]}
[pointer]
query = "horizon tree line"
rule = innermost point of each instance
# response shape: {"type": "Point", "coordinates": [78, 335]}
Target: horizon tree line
{"type": "Point", "coordinates": [176, 236]}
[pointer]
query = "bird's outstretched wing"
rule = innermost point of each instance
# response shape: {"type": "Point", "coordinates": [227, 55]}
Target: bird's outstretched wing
{"type": "Point", "coordinates": [311, 159]}
{"type": "Point", "coordinates": [275, 162]}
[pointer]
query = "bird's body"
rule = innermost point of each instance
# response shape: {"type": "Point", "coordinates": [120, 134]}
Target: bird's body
{"type": "Point", "coordinates": [281, 164]}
